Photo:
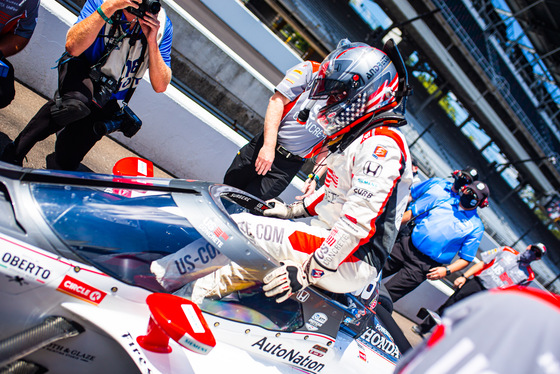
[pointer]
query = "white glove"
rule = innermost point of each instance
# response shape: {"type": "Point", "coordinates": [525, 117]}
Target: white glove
{"type": "Point", "coordinates": [281, 210]}
{"type": "Point", "coordinates": [285, 280]}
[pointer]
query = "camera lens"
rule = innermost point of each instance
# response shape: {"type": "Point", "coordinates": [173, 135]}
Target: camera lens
{"type": "Point", "coordinates": [106, 127]}
{"type": "Point", "coordinates": [153, 6]}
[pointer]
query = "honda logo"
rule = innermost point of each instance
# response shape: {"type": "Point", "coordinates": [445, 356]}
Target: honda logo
{"type": "Point", "coordinates": [372, 169]}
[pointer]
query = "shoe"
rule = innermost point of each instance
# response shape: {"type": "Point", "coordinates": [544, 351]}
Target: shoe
{"type": "Point", "coordinates": [9, 155]}
{"type": "Point", "coordinates": [417, 330]}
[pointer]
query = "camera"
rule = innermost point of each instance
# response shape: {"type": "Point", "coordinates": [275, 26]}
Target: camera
{"type": "Point", "coordinates": [105, 86]}
{"type": "Point", "coordinates": [123, 120]}
{"type": "Point", "coordinates": [147, 6]}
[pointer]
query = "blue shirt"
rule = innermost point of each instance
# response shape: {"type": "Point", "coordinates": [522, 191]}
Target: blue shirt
{"type": "Point", "coordinates": [438, 187]}
{"type": "Point", "coordinates": [96, 50]}
{"type": "Point", "coordinates": [443, 229]}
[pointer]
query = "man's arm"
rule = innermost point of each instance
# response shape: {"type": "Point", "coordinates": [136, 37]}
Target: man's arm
{"type": "Point", "coordinates": [459, 282]}
{"type": "Point", "coordinates": [160, 73]}
{"type": "Point", "coordinates": [439, 272]}
{"type": "Point", "coordinates": [10, 44]}
{"type": "Point", "coordinates": [82, 34]}
{"type": "Point", "coordinates": [272, 121]}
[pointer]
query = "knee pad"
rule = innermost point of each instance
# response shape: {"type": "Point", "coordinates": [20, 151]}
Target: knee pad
{"type": "Point", "coordinates": [66, 111]}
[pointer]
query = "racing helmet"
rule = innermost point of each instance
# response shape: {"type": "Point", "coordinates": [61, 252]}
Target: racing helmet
{"type": "Point", "coordinates": [474, 195]}
{"type": "Point", "coordinates": [464, 177]}
{"type": "Point", "coordinates": [355, 79]}
{"type": "Point", "coordinates": [539, 249]}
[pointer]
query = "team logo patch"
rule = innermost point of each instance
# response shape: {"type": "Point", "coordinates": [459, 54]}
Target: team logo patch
{"type": "Point", "coordinates": [316, 321]}
{"type": "Point", "coordinates": [379, 152]}
{"type": "Point", "coordinates": [372, 168]}
{"type": "Point", "coordinates": [317, 273]}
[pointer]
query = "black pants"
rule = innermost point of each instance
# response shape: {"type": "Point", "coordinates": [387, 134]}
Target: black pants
{"type": "Point", "coordinates": [75, 139]}
{"type": "Point", "coordinates": [409, 265]}
{"type": "Point", "coordinates": [470, 287]}
{"type": "Point", "coordinates": [242, 173]}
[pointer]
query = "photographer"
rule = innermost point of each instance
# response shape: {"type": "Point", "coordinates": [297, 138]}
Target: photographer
{"type": "Point", "coordinates": [108, 51]}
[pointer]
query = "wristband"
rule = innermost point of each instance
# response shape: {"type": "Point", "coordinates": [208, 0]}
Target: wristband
{"type": "Point", "coordinates": [314, 176]}
{"type": "Point", "coordinates": [105, 18]}
{"type": "Point", "coordinates": [447, 271]}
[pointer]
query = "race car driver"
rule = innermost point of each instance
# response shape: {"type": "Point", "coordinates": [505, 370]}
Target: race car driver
{"type": "Point", "coordinates": [359, 209]}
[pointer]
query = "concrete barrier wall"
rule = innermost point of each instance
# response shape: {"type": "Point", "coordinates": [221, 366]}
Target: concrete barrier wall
{"type": "Point", "coordinates": [250, 28]}
{"type": "Point", "coordinates": [177, 134]}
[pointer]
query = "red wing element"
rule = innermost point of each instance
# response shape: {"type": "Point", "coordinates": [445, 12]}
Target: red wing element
{"type": "Point", "coordinates": [179, 319]}
{"type": "Point", "coordinates": [134, 167]}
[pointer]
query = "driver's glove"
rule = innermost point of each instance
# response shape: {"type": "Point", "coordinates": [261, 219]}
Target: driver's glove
{"type": "Point", "coordinates": [281, 210]}
{"type": "Point", "coordinates": [291, 277]}
{"type": "Point", "coordinates": [285, 280]}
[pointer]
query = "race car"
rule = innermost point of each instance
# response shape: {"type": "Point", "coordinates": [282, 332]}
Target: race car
{"type": "Point", "coordinates": [97, 273]}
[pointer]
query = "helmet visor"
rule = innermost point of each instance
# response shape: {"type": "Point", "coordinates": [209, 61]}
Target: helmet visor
{"type": "Point", "coordinates": [324, 87]}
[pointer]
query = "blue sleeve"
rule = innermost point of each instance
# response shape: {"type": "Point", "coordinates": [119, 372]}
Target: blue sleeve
{"type": "Point", "coordinates": [420, 189]}
{"type": "Point", "coordinates": [472, 242]}
{"type": "Point", "coordinates": [89, 8]}
{"type": "Point", "coordinates": [165, 45]}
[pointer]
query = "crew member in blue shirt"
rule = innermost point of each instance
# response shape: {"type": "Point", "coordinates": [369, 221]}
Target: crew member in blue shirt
{"type": "Point", "coordinates": [444, 227]}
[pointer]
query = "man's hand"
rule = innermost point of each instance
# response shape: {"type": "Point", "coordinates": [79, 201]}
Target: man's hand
{"type": "Point", "coordinates": [308, 188]}
{"type": "Point", "coordinates": [437, 273]}
{"type": "Point", "coordinates": [150, 26]}
{"type": "Point", "coordinates": [264, 160]}
{"type": "Point", "coordinates": [285, 280]}
{"type": "Point", "coordinates": [460, 282]}
{"type": "Point", "coordinates": [280, 210]}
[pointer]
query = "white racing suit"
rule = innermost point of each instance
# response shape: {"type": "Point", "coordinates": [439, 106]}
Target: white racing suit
{"type": "Point", "coordinates": [359, 210]}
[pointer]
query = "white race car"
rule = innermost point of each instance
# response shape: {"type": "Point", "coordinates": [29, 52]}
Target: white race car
{"type": "Point", "coordinates": [96, 273]}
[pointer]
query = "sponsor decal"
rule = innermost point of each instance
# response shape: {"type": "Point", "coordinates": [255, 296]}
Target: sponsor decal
{"type": "Point", "coordinates": [378, 67]}
{"type": "Point", "coordinates": [19, 280]}
{"type": "Point", "coordinates": [317, 273]}
{"type": "Point", "coordinates": [331, 247]}
{"type": "Point", "coordinates": [362, 356]}
{"type": "Point", "coordinates": [70, 353]}
{"type": "Point", "coordinates": [81, 290]}
{"type": "Point", "coordinates": [291, 356]}
{"type": "Point", "coordinates": [330, 196]}
{"type": "Point", "coordinates": [318, 350]}
{"type": "Point", "coordinates": [366, 182]}
{"type": "Point", "coordinates": [314, 129]}
{"type": "Point", "coordinates": [351, 219]}
{"type": "Point", "coordinates": [302, 296]}
{"type": "Point", "coordinates": [203, 255]}
{"type": "Point", "coordinates": [379, 152]}
{"type": "Point", "coordinates": [216, 235]}
{"type": "Point", "coordinates": [28, 267]}
{"type": "Point", "coordinates": [316, 321]}
{"type": "Point", "coordinates": [372, 169]}
{"type": "Point", "coordinates": [135, 352]}
{"type": "Point", "coordinates": [363, 193]}
{"type": "Point", "coordinates": [380, 343]}
{"type": "Point", "coordinates": [331, 179]}
{"type": "Point", "coordinates": [366, 136]}
{"type": "Point", "coordinates": [266, 232]}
